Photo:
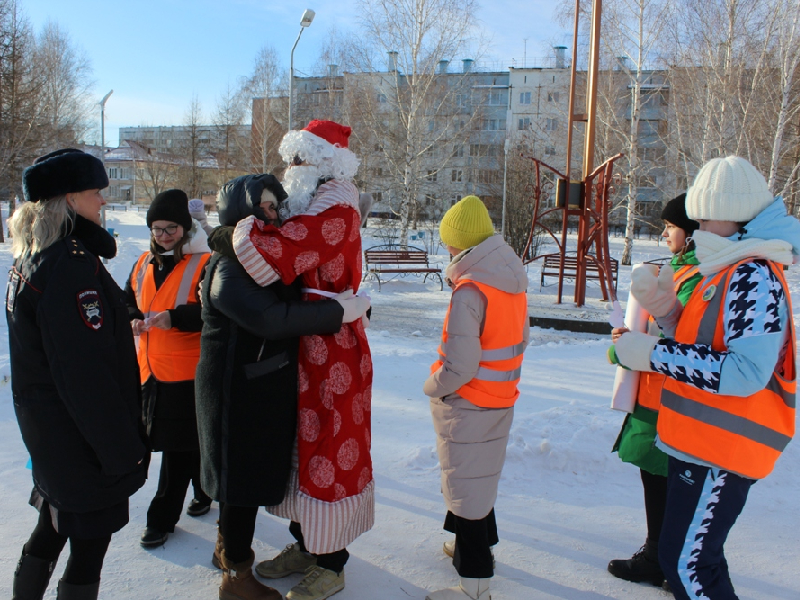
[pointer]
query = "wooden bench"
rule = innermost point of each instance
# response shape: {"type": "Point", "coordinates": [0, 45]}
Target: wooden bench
{"type": "Point", "coordinates": [551, 262]}
{"type": "Point", "coordinates": [398, 261]}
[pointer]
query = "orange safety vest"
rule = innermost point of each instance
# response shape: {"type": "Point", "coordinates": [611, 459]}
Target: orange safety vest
{"type": "Point", "coordinates": [744, 435]}
{"type": "Point", "coordinates": [650, 383]}
{"type": "Point", "coordinates": [170, 355]}
{"type": "Point", "coordinates": [495, 383]}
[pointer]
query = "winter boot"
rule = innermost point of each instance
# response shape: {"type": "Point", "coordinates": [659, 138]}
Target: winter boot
{"type": "Point", "coordinates": [318, 584]}
{"type": "Point", "coordinates": [641, 567]}
{"type": "Point", "coordinates": [290, 560]}
{"type": "Point", "coordinates": [216, 558]}
{"type": "Point", "coordinates": [69, 591]}
{"type": "Point", "coordinates": [468, 589]}
{"type": "Point", "coordinates": [449, 548]}
{"type": "Point", "coordinates": [31, 577]}
{"type": "Point", "coordinates": [238, 582]}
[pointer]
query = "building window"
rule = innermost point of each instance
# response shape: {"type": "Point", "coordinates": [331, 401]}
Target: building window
{"type": "Point", "coordinates": [429, 200]}
{"type": "Point", "coordinates": [113, 173]}
{"type": "Point", "coordinates": [382, 98]}
{"type": "Point", "coordinates": [525, 98]}
{"type": "Point", "coordinates": [552, 96]}
{"type": "Point", "coordinates": [431, 175]}
{"type": "Point", "coordinates": [493, 124]}
{"type": "Point", "coordinates": [458, 151]}
{"type": "Point", "coordinates": [455, 175]}
{"type": "Point", "coordinates": [377, 171]}
{"type": "Point", "coordinates": [524, 123]}
{"type": "Point", "coordinates": [551, 124]}
{"type": "Point", "coordinates": [550, 150]}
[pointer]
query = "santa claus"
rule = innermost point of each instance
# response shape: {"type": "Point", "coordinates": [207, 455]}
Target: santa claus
{"type": "Point", "coordinates": [330, 500]}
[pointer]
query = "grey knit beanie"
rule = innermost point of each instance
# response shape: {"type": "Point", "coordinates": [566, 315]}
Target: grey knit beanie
{"type": "Point", "coordinates": [727, 189]}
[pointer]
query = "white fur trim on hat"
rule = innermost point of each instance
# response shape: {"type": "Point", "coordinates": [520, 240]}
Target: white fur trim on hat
{"type": "Point", "coordinates": [727, 189]}
{"type": "Point", "coordinates": [332, 161]}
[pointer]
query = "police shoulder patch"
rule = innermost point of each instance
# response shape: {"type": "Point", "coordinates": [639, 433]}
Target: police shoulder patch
{"type": "Point", "coordinates": [90, 308]}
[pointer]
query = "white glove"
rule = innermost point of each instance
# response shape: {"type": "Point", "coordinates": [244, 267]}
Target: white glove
{"type": "Point", "coordinates": [634, 349]}
{"type": "Point", "coordinates": [655, 294]}
{"type": "Point", "coordinates": [354, 306]}
{"type": "Point", "coordinates": [197, 210]}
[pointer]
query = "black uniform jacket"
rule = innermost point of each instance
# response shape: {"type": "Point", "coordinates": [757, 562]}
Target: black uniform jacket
{"type": "Point", "coordinates": [74, 375]}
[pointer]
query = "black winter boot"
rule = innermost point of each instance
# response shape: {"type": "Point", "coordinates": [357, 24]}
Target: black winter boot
{"type": "Point", "coordinates": [641, 567]}
{"type": "Point", "coordinates": [69, 591]}
{"type": "Point", "coordinates": [31, 577]}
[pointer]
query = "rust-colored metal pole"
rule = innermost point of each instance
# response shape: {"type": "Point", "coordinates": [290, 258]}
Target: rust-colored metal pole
{"type": "Point", "coordinates": [588, 151]}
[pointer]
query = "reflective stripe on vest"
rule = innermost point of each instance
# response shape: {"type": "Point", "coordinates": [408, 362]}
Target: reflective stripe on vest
{"type": "Point", "coordinates": [744, 435]}
{"type": "Point", "coordinates": [495, 383]}
{"type": "Point", "coordinates": [650, 384]}
{"type": "Point", "coordinates": [169, 355]}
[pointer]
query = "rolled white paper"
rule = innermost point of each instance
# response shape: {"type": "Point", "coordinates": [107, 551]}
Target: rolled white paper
{"type": "Point", "coordinates": [626, 383]}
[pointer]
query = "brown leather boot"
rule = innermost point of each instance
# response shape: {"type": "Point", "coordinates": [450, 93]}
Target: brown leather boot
{"type": "Point", "coordinates": [216, 559]}
{"type": "Point", "coordinates": [238, 582]}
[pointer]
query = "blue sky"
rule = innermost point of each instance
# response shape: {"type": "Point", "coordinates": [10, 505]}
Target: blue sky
{"type": "Point", "coordinates": [155, 54]}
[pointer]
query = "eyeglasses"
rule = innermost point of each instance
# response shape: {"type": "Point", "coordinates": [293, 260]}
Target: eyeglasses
{"type": "Point", "coordinates": [296, 161]}
{"type": "Point", "coordinates": [169, 230]}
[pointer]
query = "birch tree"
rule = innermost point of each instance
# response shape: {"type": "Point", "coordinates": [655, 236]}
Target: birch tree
{"type": "Point", "coordinates": [408, 111]}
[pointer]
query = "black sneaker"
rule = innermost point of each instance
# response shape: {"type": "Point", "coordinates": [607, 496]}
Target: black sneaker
{"type": "Point", "coordinates": [641, 567]}
{"type": "Point", "coordinates": [153, 538]}
{"type": "Point", "coordinates": [197, 508]}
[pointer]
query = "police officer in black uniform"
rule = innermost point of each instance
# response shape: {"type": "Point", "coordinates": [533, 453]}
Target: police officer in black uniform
{"type": "Point", "coordinates": [74, 375]}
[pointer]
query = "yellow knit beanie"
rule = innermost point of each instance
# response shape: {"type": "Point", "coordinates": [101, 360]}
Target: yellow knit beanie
{"type": "Point", "coordinates": [466, 224]}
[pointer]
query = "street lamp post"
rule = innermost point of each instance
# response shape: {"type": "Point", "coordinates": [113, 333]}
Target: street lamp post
{"type": "Point", "coordinates": [305, 21]}
{"type": "Point", "coordinates": [103, 140]}
{"type": "Point", "coordinates": [505, 183]}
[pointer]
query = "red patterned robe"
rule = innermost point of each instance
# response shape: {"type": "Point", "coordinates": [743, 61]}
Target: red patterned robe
{"type": "Point", "coordinates": [331, 492]}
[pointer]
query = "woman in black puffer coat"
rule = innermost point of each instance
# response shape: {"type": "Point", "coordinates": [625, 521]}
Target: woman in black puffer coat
{"type": "Point", "coordinates": [74, 375]}
{"type": "Point", "coordinates": [246, 383]}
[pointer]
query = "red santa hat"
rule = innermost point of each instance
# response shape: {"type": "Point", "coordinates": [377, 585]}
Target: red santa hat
{"type": "Point", "coordinates": [330, 131]}
{"type": "Point", "coordinates": [322, 144]}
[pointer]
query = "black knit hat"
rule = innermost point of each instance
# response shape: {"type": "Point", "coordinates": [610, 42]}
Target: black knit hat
{"type": "Point", "coordinates": [170, 205]}
{"type": "Point", "coordinates": [675, 212]}
{"type": "Point", "coordinates": [62, 172]}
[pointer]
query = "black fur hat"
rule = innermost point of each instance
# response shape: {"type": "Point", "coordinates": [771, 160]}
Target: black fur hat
{"type": "Point", "coordinates": [675, 212]}
{"type": "Point", "coordinates": [62, 172]}
{"type": "Point", "coordinates": [170, 205]}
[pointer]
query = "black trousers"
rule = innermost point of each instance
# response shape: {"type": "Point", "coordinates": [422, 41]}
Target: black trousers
{"type": "Point", "coordinates": [85, 556]}
{"type": "Point", "coordinates": [335, 561]}
{"type": "Point", "coordinates": [474, 538]}
{"type": "Point", "coordinates": [237, 525]}
{"type": "Point", "coordinates": [177, 470]}
{"type": "Point", "coordinates": [655, 504]}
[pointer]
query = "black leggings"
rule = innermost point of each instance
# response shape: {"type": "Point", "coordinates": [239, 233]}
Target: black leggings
{"type": "Point", "coordinates": [85, 556]}
{"type": "Point", "coordinates": [655, 504]}
{"type": "Point", "coordinates": [237, 524]}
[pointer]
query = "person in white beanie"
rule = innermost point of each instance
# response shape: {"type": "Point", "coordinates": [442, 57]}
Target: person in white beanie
{"type": "Point", "coordinates": [727, 405]}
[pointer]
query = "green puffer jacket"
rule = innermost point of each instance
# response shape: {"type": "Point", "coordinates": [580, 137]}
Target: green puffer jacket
{"type": "Point", "coordinates": [636, 440]}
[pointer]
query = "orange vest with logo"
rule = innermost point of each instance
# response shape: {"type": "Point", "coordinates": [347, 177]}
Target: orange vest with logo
{"type": "Point", "coordinates": [744, 435]}
{"type": "Point", "coordinates": [169, 355]}
{"type": "Point", "coordinates": [495, 383]}
{"type": "Point", "coordinates": [650, 384]}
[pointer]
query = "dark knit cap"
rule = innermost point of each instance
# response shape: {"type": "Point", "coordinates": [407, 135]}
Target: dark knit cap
{"type": "Point", "coordinates": [675, 212]}
{"type": "Point", "coordinates": [62, 172]}
{"type": "Point", "coordinates": [170, 205]}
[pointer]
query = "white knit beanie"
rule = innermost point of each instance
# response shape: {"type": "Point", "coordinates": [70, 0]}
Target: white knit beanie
{"type": "Point", "coordinates": [727, 189]}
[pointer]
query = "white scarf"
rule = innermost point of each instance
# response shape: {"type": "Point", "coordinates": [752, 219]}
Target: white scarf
{"type": "Point", "coordinates": [715, 252]}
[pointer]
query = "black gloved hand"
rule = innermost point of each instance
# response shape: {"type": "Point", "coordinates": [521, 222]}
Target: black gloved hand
{"type": "Point", "coordinates": [221, 240]}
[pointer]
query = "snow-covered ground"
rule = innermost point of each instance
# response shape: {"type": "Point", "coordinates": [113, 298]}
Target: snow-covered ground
{"type": "Point", "coordinates": [567, 505]}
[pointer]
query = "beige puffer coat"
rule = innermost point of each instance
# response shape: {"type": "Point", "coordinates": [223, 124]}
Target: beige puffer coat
{"type": "Point", "coordinates": [472, 440]}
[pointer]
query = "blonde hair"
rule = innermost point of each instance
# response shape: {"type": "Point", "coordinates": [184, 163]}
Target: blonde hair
{"type": "Point", "coordinates": [35, 226]}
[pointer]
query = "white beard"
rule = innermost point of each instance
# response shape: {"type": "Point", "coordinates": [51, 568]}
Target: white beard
{"type": "Point", "coordinates": [301, 184]}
